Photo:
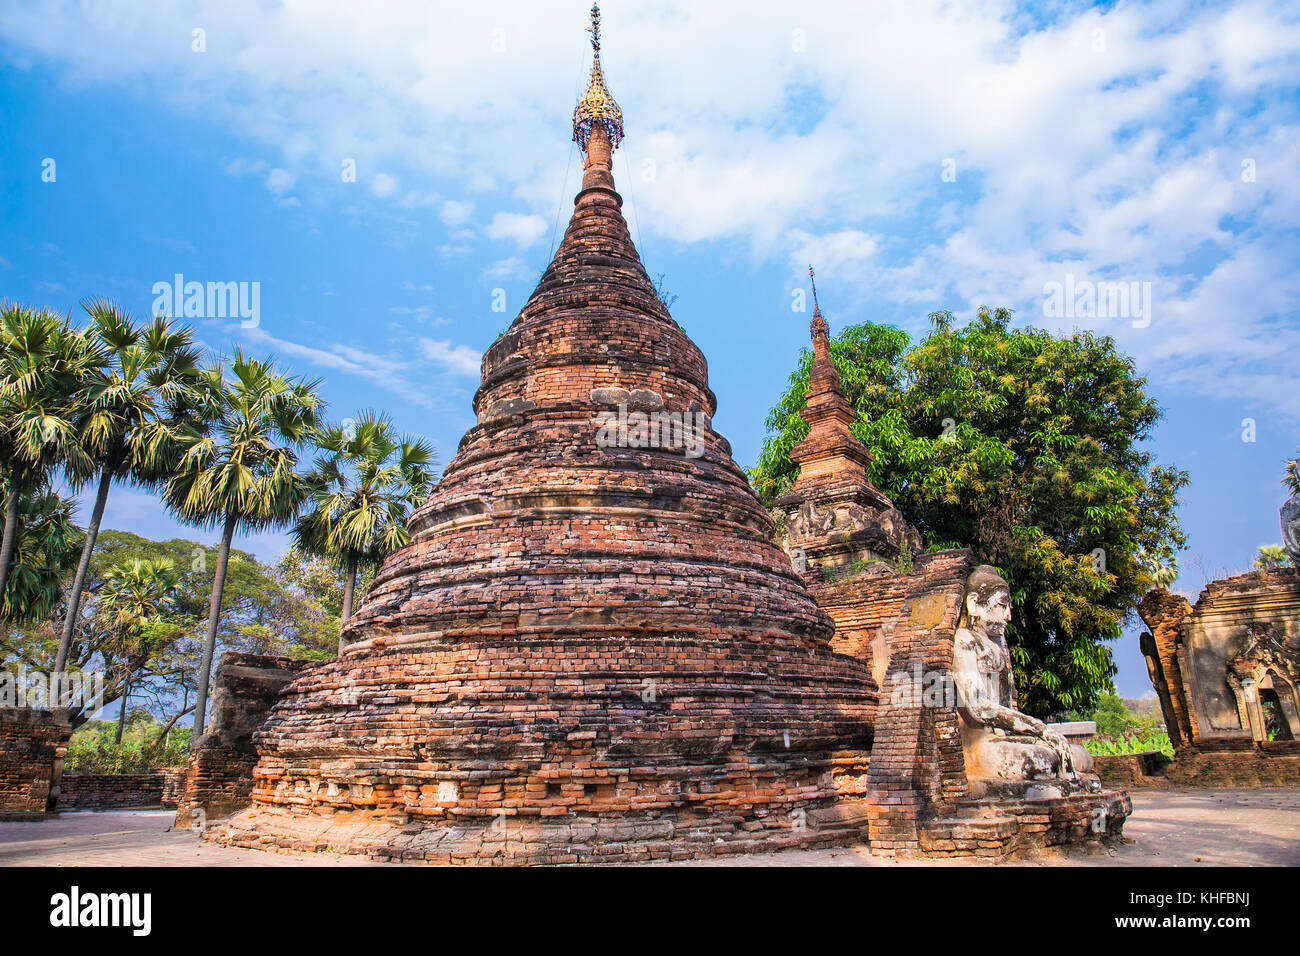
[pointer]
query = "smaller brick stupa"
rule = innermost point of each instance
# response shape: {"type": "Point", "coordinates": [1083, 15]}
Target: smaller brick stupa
{"type": "Point", "coordinates": [836, 521]}
{"type": "Point", "coordinates": [905, 614]}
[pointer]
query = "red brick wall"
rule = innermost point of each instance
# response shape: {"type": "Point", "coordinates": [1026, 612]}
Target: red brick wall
{"type": "Point", "coordinates": [917, 767]}
{"type": "Point", "coordinates": [1164, 614]}
{"type": "Point", "coordinates": [103, 791]}
{"type": "Point", "coordinates": [31, 742]}
{"type": "Point", "coordinates": [1237, 764]}
{"type": "Point", "coordinates": [1127, 771]}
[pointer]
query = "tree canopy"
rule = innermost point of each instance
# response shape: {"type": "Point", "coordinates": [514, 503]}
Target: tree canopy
{"type": "Point", "coordinates": [46, 540]}
{"type": "Point", "coordinates": [291, 608]}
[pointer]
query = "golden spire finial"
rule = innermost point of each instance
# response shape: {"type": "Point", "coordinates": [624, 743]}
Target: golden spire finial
{"type": "Point", "coordinates": [597, 106]}
{"type": "Point", "coordinates": [818, 323]}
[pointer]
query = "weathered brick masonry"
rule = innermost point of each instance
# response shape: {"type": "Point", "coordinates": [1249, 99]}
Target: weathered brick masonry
{"type": "Point", "coordinates": [1128, 771]}
{"type": "Point", "coordinates": [1272, 763]}
{"type": "Point", "coordinates": [591, 648]}
{"type": "Point", "coordinates": [1214, 664]}
{"type": "Point", "coordinates": [33, 744]}
{"type": "Point", "coordinates": [219, 773]}
{"type": "Point", "coordinates": [1218, 764]}
{"type": "Point", "coordinates": [104, 791]}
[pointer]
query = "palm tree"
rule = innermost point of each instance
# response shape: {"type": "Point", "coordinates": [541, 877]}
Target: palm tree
{"type": "Point", "coordinates": [134, 600]}
{"type": "Point", "coordinates": [362, 489]}
{"type": "Point", "coordinates": [134, 404]}
{"type": "Point", "coordinates": [236, 467]}
{"type": "Point", "coordinates": [43, 364]}
{"type": "Point", "coordinates": [1271, 556]}
{"type": "Point", "coordinates": [46, 543]}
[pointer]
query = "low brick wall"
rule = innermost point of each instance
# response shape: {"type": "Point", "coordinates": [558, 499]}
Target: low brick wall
{"type": "Point", "coordinates": [1127, 771]}
{"type": "Point", "coordinates": [1233, 763]}
{"type": "Point", "coordinates": [173, 790]}
{"type": "Point", "coordinates": [103, 791]}
{"type": "Point", "coordinates": [33, 744]}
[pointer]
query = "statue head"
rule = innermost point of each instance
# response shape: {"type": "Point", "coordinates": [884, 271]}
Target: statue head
{"type": "Point", "coordinates": [1290, 515]}
{"type": "Point", "coordinates": [987, 604]}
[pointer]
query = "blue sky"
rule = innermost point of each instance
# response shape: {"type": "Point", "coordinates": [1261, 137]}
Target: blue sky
{"type": "Point", "coordinates": [923, 156]}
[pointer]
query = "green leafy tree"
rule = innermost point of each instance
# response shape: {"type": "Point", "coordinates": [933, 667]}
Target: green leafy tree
{"type": "Point", "coordinates": [1114, 719]}
{"type": "Point", "coordinates": [136, 600]}
{"type": "Point", "coordinates": [365, 484]}
{"type": "Point", "coordinates": [1291, 476]}
{"type": "Point", "coordinates": [134, 404]}
{"type": "Point", "coordinates": [288, 608]}
{"type": "Point", "coordinates": [1163, 570]}
{"type": "Point", "coordinates": [43, 363]}
{"type": "Point", "coordinates": [318, 577]}
{"type": "Point", "coordinates": [1026, 447]}
{"type": "Point", "coordinates": [237, 469]}
{"type": "Point", "coordinates": [167, 677]}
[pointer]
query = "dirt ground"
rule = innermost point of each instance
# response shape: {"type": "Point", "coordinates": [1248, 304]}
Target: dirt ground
{"type": "Point", "coordinates": [1168, 828]}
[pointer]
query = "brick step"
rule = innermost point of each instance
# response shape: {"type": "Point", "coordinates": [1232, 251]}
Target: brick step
{"type": "Point", "coordinates": [968, 835]}
{"type": "Point", "coordinates": [979, 810]}
{"type": "Point", "coordinates": [967, 827]}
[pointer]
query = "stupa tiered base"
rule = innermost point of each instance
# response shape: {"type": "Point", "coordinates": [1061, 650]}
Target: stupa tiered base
{"type": "Point", "coordinates": [565, 750]}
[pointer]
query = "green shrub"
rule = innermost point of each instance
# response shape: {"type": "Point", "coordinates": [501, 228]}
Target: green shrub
{"type": "Point", "coordinates": [92, 748]}
{"type": "Point", "coordinates": [904, 562]}
{"type": "Point", "coordinates": [1135, 743]}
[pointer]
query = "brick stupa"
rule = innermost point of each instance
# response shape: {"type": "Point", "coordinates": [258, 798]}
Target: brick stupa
{"type": "Point", "coordinates": [835, 519]}
{"type": "Point", "coordinates": [590, 650]}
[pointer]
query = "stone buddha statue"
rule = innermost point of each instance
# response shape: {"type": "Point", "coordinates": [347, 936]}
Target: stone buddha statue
{"type": "Point", "coordinates": [1002, 746]}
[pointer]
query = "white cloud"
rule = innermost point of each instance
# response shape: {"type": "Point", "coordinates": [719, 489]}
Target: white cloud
{"type": "Point", "coordinates": [420, 313]}
{"type": "Point", "coordinates": [504, 269]}
{"type": "Point", "coordinates": [460, 359]}
{"type": "Point", "coordinates": [845, 254]}
{"type": "Point", "coordinates": [383, 185]}
{"type": "Point", "coordinates": [1119, 162]}
{"type": "Point", "coordinates": [280, 181]}
{"type": "Point", "coordinates": [455, 212]}
{"type": "Point", "coordinates": [242, 166]}
{"type": "Point", "coordinates": [391, 373]}
{"type": "Point", "coordinates": [523, 229]}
